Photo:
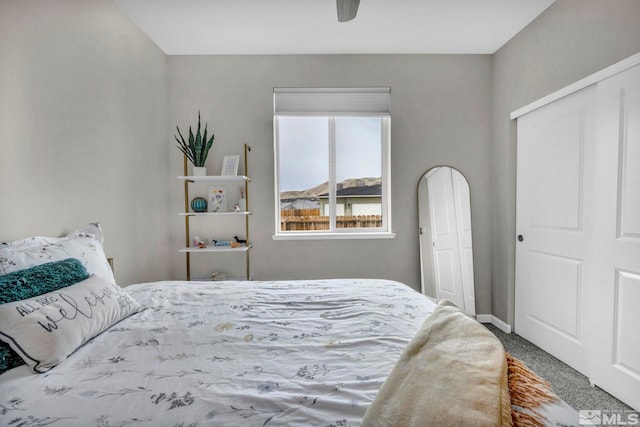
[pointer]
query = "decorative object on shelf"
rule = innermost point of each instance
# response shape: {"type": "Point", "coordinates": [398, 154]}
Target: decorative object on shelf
{"type": "Point", "coordinates": [242, 202]}
{"type": "Point", "coordinates": [236, 208]}
{"type": "Point", "coordinates": [216, 276]}
{"type": "Point", "coordinates": [347, 10]}
{"type": "Point", "coordinates": [197, 148]}
{"type": "Point", "coordinates": [221, 243]}
{"type": "Point", "coordinates": [198, 171]}
{"type": "Point", "coordinates": [199, 204]}
{"type": "Point", "coordinates": [199, 243]}
{"type": "Point", "coordinates": [230, 165]}
{"type": "Point", "coordinates": [239, 240]}
{"type": "Point", "coordinates": [217, 199]}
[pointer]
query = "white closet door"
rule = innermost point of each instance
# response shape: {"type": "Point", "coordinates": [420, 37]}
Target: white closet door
{"type": "Point", "coordinates": [615, 296]}
{"type": "Point", "coordinates": [555, 152]}
{"type": "Point", "coordinates": [444, 231]}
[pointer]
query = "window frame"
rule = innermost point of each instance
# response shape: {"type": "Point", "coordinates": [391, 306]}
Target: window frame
{"type": "Point", "coordinates": [339, 233]}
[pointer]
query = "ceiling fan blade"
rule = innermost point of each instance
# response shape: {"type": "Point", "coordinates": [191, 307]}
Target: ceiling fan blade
{"type": "Point", "coordinates": [347, 9]}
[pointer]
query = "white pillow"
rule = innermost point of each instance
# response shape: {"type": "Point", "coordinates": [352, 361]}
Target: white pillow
{"type": "Point", "coordinates": [93, 229]}
{"type": "Point", "coordinates": [85, 244]}
{"type": "Point", "coordinates": [29, 241]}
{"type": "Point", "coordinates": [46, 329]}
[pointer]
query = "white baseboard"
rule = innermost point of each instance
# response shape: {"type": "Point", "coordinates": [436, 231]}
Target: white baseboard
{"type": "Point", "coordinates": [490, 318]}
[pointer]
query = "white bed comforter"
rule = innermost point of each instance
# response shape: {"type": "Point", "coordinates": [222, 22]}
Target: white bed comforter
{"type": "Point", "coordinates": [294, 353]}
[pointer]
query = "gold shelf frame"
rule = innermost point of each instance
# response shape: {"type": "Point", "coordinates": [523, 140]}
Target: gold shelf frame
{"type": "Point", "coordinates": [187, 233]}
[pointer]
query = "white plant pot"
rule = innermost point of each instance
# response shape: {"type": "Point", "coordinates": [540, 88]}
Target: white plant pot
{"type": "Point", "coordinates": [199, 171]}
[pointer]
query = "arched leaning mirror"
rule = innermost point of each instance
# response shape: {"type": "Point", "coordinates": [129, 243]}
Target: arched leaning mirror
{"type": "Point", "coordinates": [446, 247]}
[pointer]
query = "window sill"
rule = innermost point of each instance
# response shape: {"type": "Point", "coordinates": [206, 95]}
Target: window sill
{"type": "Point", "coordinates": [334, 236]}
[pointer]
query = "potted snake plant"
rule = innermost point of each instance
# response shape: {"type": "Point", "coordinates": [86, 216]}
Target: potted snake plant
{"type": "Point", "coordinates": [196, 149]}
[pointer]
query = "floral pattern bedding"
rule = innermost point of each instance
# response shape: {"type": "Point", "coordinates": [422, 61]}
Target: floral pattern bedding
{"type": "Point", "coordinates": [290, 353]}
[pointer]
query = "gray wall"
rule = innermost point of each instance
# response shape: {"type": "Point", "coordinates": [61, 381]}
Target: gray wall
{"type": "Point", "coordinates": [440, 116]}
{"type": "Point", "coordinates": [83, 106]}
{"type": "Point", "coordinates": [87, 124]}
{"type": "Point", "coordinates": [567, 42]}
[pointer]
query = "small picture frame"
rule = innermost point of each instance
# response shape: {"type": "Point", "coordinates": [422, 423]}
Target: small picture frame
{"type": "Point", "coordinates": [217, 199]}
{"type": "Point", "coordinates": [230, 165]}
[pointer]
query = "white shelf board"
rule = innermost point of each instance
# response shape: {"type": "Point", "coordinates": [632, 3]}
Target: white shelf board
{"type": "Point", "coordinates": [213, 213]}
{"type": "Point", "coordinates": [216, 249]}
{"type": "Point", "coordinates": [215, 178]}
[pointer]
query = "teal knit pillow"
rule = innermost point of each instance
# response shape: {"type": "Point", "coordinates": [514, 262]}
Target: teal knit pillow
{"type": "Point", "coordinates": [30, 283]}
{"type": "Point", "coordinates": [9, 359]}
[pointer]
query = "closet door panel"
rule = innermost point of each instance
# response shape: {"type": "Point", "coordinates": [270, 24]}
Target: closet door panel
{"type": "Point", "coordinates": [629, 209]}
{"type": "Point", "coordinates": [560, 279]}
{"type": "Point", "coordinates": [614, 297]}
{"type": "Point", "coordinates": [555, 150]}
{"type": "Point", "coordinates": [626, 352]}
{"type": "Point", "coordinates": [555, 200]}
{"type": "Point", "coordinates": [578, 213]}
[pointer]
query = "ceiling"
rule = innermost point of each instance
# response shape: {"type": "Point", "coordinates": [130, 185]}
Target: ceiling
{"type": "Point", "coordinates": [220, 27]}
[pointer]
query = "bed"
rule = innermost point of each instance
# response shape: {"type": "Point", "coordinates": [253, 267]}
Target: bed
{"type": "Point", "coordinates": [233, 353]}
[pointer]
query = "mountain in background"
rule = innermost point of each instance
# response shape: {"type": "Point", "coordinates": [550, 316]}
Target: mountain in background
{"type": "Point", "coordinates": [312, 193]}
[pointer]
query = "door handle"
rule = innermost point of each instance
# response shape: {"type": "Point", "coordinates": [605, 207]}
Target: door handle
{"type": "Point", "coordinates": [520, 238]}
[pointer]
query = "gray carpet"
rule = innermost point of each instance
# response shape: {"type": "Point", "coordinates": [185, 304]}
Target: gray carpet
{"type": "Point", "coordinates": [570, 385]}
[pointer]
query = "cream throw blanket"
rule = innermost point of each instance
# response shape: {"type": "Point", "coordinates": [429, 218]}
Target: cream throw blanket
{"type": "Point", "coordinates": [453, 373]}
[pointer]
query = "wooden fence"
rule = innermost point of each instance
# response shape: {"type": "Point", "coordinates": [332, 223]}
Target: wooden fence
{"type": "Point", "coordinates": [300, 212]}
{"type": "Point", "coordinates": [310, 220]}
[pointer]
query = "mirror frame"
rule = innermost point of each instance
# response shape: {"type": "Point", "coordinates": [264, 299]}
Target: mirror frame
{"type": "Point", "coordinates": [421, 226]}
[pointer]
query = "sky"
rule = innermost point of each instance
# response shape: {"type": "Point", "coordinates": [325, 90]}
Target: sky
{"type": "Point", "coordinates": [304, 150]}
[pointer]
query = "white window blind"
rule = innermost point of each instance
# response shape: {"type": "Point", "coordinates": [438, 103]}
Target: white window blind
{"type": "Point", "coordinates": [332, 101]}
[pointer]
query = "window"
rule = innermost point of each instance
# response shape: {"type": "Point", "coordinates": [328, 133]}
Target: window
{"type": "Point", "coordinates": [332, 163]}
